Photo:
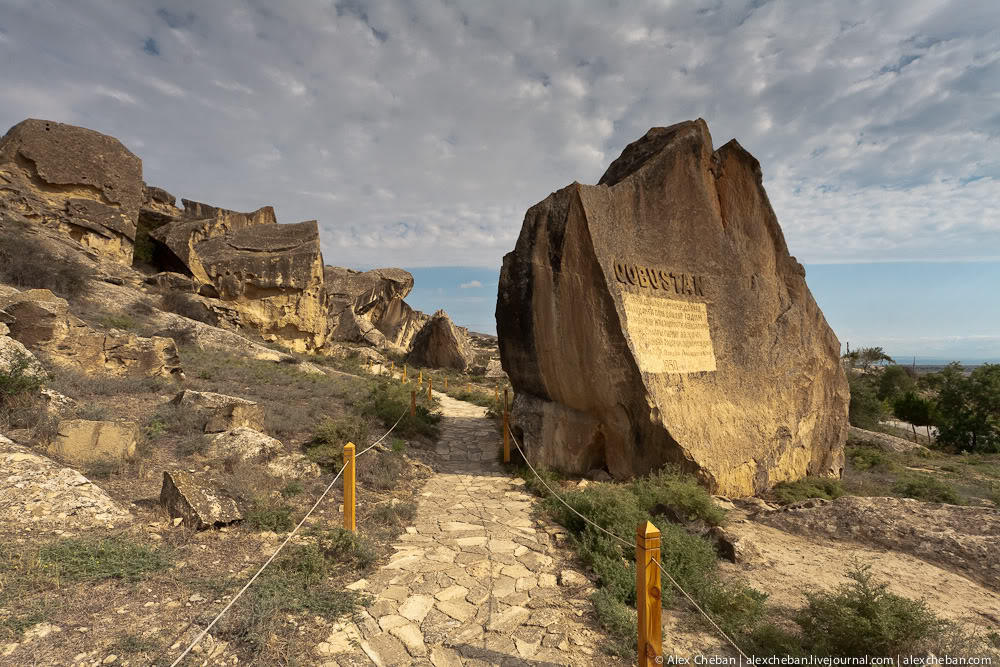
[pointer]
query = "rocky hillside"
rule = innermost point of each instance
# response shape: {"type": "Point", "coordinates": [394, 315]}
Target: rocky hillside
{"type": "Point", "coordinates": [72, 195]}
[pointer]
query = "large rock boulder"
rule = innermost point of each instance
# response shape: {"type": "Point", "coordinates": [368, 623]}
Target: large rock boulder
{"type": "Point", "coordinates": [440, 344]}
{"type": "Point", "coordinates": [368, 307]}
{"type": "Point", "coordinates": [196, 502]}
{"type": "Point", "coordinates": [658, 317]}
{"type": "Point", "coordinates": [245, 444]}
{"type": "Point", "coordinates": [221, 412]}
{"type": "Point", "coordinates": [36, 492]}
{"type": "Point", "coordinates": [81, 441]}
{"type": "Point", "coordinates": [42, 322]}
{"type": "Point", "coordinates": [81, 182]}
{"type": "Point", "coordinates": [270, 275]}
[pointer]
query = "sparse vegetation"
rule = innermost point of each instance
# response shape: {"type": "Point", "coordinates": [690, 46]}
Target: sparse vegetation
{"type": "Point", "coordinates": [269, 516]}
{"type": "Point", "coordinates": [927, 488]}
{"type": "Point", "coordinates": [20, 257]}
{"type": "Point", "coordinates": [388, 400]}
{"type": "Point", "coordinates": [808, 487]}
{"type": "Point", "coordinates": [119, 321]}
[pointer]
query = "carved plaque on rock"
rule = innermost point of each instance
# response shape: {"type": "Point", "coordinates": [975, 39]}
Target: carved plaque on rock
{"type": "Point", "coordinates": [668, 336]}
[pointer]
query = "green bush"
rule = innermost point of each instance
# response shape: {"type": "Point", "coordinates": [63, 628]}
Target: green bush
{"type": "Point", "coordinates": [865, 409]}
{"type": "Point", "coordinates": [867, 458]}
{"type": "Point", "coordinates": [268, 516]}
{"type": "Point", "coordinates": [864, 619]}
{"type": "Point", "coordinates": [119, 321]}
{"type": "Point", "coordinates": [388, 400]}
{"type": "Point", "coordinates": [968, 408]}
{"type": "Point", "coordinates": [20, 378]}
{"type": "Point", "coordinates": [326, 447]}
{"type": "Point", "coordinates": [808, 487]}
{"type": "Point", "coordinates": [84, 559]}
{"type": "Point", "coordinates": [927, 488]}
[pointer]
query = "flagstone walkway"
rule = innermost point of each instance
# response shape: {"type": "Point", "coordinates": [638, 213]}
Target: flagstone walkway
{"type": "Point", "coordinates": [476, 580]}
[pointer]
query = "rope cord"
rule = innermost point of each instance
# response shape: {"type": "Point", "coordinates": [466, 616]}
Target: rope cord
{"type": "Point", "coordinates": [626, 543]}
{"type": "Point", "coordinates": [282, 546]}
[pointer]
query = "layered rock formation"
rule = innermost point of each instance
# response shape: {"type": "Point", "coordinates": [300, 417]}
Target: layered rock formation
{"type": "Point", "coordinates": [368, 307]}
{"type": "Point", "coordinates": [81, 182]}
{"type": "Point", "coordinates": [658, 317]}
{"type": "Point", "coordinates": [43, 323]}
{"type": "Point", "coordinates": [440, 344]}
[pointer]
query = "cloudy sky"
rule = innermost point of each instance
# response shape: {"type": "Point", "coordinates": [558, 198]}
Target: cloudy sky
{"type": "Point", "coordinates": [418, 133]}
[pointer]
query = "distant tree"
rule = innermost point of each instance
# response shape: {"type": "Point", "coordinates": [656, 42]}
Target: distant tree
{"type": "Point", "coordinates": [850, 359]}
{"type": "Point", "coordinates": [872, 356]}
{"type": "Point", "coordinates": [969, 408]}
{"type": "Point", "coordinates": [895, 381]}
{"type": "Point", "coordinates": [918, 411]}
{"type": "Point", "coordinates": [865, 409]}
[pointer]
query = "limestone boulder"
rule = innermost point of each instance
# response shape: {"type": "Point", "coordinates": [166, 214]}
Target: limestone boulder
{"type": "Point", "coordinates": [440, 344]}
{"type": "Point", "coordinates": [658, 317]}
{"type": "Point", "coordinates": [245, 444]}
{"type": "Point", "coordinates": [81, 182]}
{"type": "Point", "coordinates": [36, 492]}
{"type": "Point", "coordinates": [196, 502]}
{"type": "Point", "coordinates": [14, 356]}
{"type": "Point", "coordinates": [43, 323]}
{"type": "Point", "coordinates": [81, 441]}
{"type": "Point", "coordinates": [368, 307]}
{"type": "Point", "coordinates": [883, 441]}
{"type": "Point", "coordinates": [292, 466]}
{"type": "Point", "coordinates": [221, 412]}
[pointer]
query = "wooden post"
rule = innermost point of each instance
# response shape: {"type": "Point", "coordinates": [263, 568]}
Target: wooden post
{"type": "Point", "coordinates": [506, 437]}
{"type": "Point", "coordinates": [469, 387]}
{"type": "Point", "coordinates": [404, 374]}
{"type": "Point", "coordinates": [647, 591]}
{"type": "Point", "coordinates": [392, 367]}
{"type": "Point", "coordinates": [413, 402]}
{"type": "Point", "coordinates": [505, 406]}
{"type": "Point", "coordinates": [420, 381]}
{"type": "Point", "coordinates": [446, 384]}
{"type": "Point", "coordinates": [349, 495]}
{"type": "Point", "coordinates": [496, 394]}
{"type": "Point", "coordinates": [429, 395]}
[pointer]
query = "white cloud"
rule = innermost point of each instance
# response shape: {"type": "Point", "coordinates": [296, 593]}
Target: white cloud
{"type": "Point", "coordinates": [471, 284]}
{"type": "Point", "coordinates": [875, 122]}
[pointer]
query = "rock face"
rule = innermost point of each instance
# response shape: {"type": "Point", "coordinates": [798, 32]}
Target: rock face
{"type": "Point", "coordinates": [440, 344]}
{"type": "Point", "coordinates": [195, 502]}
{"type": "Point", "coordinates": [271, 275]}
{"type": "Point", "coordinates": [42, 322]}
{"type": "Point", "coordinates": [82, 182]}
{"type": "Point", "coordinates": [657, 317]}
{"type": "Point", "coordinates": [955, 538]}
{"type": "Point", "coordinates": [37, 491]}
{"type": "Point", "coordinates": [80, 441]}
{"type": "Point", "coordinates": [221, 412]}
{"type": "Point", "coordinates": [368, 307]}
{"type": "Point", "coordinates": [883, 441]}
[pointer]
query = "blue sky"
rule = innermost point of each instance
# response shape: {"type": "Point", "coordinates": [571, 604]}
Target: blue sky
{"type": "Point", "coordinates": [417, 134]}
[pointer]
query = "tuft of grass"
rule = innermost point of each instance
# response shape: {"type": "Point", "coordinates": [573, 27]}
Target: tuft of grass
{"type": "Point", "coordinates": [119, 321]}
{"type": "Point", "coordinates": [326, 447]}
{"type": "Point", "coordinates": [867, 458]}
{"type": "Point", "coordinates": [269, 516]}
{"type": "Point", "coordinates": [395, 515]}
{"type": "Point", "coordinates": [21, 257]}
{"type": "Point", "coordinates": [388, 400]}
{"type": "Point", "coordinates": [20, 378]}
{"type": "Point", "coordinates": [398, 445]}
{"type": "Point", "coordinates": [380, 470]}
{"type": "Point", "coordinates": [828, 488]}
{"type": "Point", "coordinates": [86, 559]}
{"type": "Point", "coordinates": [292, 489]}
{"type": "Point", "coordinates": [927, 488]}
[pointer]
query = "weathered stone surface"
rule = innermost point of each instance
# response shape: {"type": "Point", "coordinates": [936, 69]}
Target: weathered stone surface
{"type": "Point", "coordinates": [44, 324]}
{"type": "Point", "coordinates": [37, 491]}
{"type": "Point", "coordinates": [82, 441]}
{"type": "Point", "coordinates": [658, 317]}
{"type": "Point", "coordinates": [221, 412]}
{"type": "Point", "coordinates": [884, 441]}
{"type": "Point", "coordinates": [440, 344]}
{"type": "Point", "coordinates": [292, 466]}
{"type": "Point", "coordinates": [13, 352]}
{"type": "Point", "coordinates": [195, 502]}
{"type": "Point", "coordinates": [368, 307]}
{"type": "Point", "coordinates": [961, 539]}
{"type": "Point", "coordinates": [82, 182]}
{"type": "Point", "coordinates": [245, 444]}
{"type": "Point", "coordinates": [272, 275]}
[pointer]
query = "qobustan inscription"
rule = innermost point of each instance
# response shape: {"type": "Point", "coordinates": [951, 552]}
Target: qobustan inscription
{"type": "Point", "coordinates": [669, 336]}
{"type": "Point", "coordinates": [657, 279]}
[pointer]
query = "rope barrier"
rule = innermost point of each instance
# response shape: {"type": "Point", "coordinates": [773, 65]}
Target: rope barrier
{"type": "Point", "coordinates": [628, 544]}
{"type": "Point", "coordinates": [282, 546]}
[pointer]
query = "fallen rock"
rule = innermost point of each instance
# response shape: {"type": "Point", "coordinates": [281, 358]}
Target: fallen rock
{"type": "Point", "coordinates": [196, 502]}
{"type": "Point", "coordinates": [14, 354]}
{"type": "Point", "coordinates": [37, 491]}
{"type": "Point", "coordinates": [368, 307]}
{"type": "Point", "coordinates": [56, 403]}
{"type": "Point", "coordinates": [961, 539]}
{"type": "Point", "coordinates": [82, 441]}
{"type": "Point", "coordinates": [733, 547]}
{"type": "Point", "coordinates": [494, 369]}
{"type": "Point", "coordinates": [221, 412]}
{"type": "Point", "coordinates": [42, 322]}
{"type": "Point", "coordinates": [883, 441]}
{"type": "Point", "coordinates": [572, 578]}
{"type": "Point", "coordinates": [440, 344]}
{"type": "Point", "coordinates": [669, 287]}
{"type": "Point", "coordinates": [83, 183]}
{"type": "Point", "coordinates": [245, 444]}
{"type": "Point", "coordinates": [293, 466]}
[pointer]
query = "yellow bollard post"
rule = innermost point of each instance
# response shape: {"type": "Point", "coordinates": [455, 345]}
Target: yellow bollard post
{"type": "Point", "coordinates": [429, 395]}
{"type": "Point", "coordinates": [496, 394]}
{"type": "Point", "coordinates": [469, 388]}
{"type": "Point", "coordinates": [392, 367]}
{"type": "Point", "coordinates": [647, 590]}
{"type": "Point", "coordinates": [404, 375]}
{"type": "Point", "coordinates": [506, 437]}
{"type": "Point", "coordinates": [413, 402]}
{"type": "Point", "coordinates": [349, 495]}
{"type": "Point", "coordinates": [446, 384]}
{"type": "Point", "coordinates": [420, 380]}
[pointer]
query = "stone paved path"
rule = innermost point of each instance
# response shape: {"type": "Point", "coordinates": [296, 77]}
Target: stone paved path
{"type": "Point", "coordinates": [476, 580]}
